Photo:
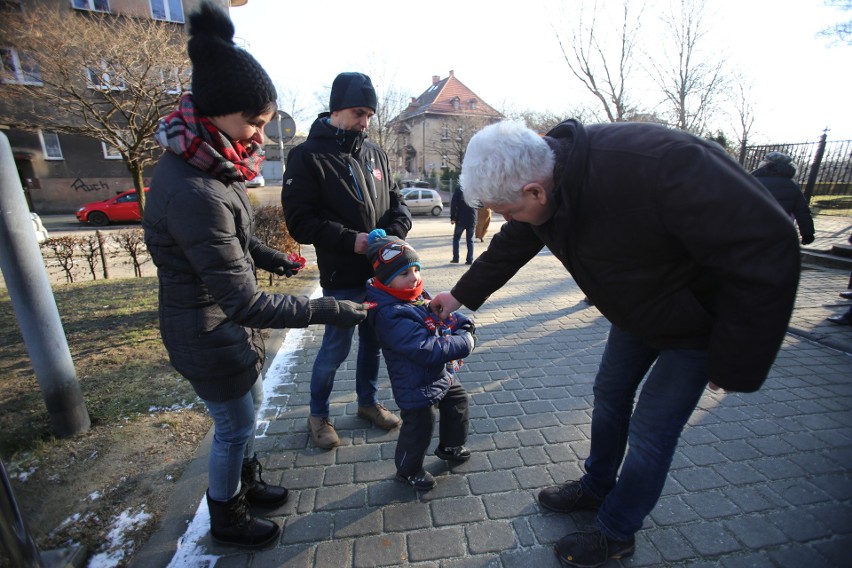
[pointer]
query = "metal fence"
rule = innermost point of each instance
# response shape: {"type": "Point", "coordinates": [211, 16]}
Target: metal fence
{"type": "Point", "coordinates": [824, 169]}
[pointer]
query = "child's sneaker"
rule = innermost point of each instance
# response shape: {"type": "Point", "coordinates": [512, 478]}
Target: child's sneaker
{"type": "Point", "coordinates": [421, 481]}
{"type": "Point", "coordinates": [453, 453]}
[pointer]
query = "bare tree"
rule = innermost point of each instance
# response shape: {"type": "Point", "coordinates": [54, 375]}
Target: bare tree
{"type": "Point", "coordinates": [742, 97]}
{"type": "Point", "coordinates": [690, 78]}
{"type": "Point", "coordinates": [106, 77]}
{"type": "Point", "coordinates": [457, 130]}
{"type": "Point", "coordinates": [841, 32]}
{"type": "Point", "coordinates": [605, 72]}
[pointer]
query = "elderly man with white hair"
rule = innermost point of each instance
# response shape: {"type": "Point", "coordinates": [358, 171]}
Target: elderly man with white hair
{"type": "Point", "coordinates": [690, 259]}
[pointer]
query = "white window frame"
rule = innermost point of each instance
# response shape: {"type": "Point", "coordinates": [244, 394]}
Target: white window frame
{"type": "Point", "coordinates": [101, 80]}
{"type": "Point", "coordinates": [110, 152]}
{"type": "Point", "coordinates": [166, 6]}
{"type": "Point", "coordinates": [444, 161]}
{"type": "Point", "coordinates": [90, 5]}
{"type": "Point", "coordinates": [46, 148]}
{"type": "Point", "coordinates": [171, 81]}
{"type": "Point", "coordinates": [18, 75]}
{"type": "Point", "coordinates": [445, 132]}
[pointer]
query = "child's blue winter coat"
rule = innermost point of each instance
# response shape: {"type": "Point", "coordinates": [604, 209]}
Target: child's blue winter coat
{"type": "Point", "coordinates": [416, 352]}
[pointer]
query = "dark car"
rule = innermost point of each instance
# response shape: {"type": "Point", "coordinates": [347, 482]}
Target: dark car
{"type": "Point", "coordinates": [122, 208]}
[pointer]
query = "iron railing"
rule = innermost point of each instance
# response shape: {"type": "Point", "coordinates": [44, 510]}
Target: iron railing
{"type": "Point", "coordinates": [823, 168]}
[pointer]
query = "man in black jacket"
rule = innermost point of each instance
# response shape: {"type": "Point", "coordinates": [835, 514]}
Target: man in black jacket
{"type": "Point", "coordinates": [690, 259]}
{"type": "Point", "coordinates": [775, 171]}
{"type": "Point", "coordinates": [463, 216]}
{"type": "Point", "coordinates": [337, 188]}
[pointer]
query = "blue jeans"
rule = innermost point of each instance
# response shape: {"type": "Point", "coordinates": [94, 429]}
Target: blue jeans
{"type": "Point", "coordinates": [667, 399]}
{"type": "Point", "coordinates": [336, 343]}
{"type": "Point", "coordinates": [233, 439]}
{"type": "Point", "coordinates": [457, 232]}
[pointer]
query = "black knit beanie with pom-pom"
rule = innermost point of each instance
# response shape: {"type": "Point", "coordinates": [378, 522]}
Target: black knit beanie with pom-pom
{"type": "Point", "coordinates": [225, 78]}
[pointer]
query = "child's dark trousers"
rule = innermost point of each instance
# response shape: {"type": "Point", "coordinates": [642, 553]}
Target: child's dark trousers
{"type": "Point", "coordinates": [417, 425]}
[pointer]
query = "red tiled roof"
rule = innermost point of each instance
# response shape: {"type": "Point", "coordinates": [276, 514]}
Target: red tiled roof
{"type": "Point", "coordinates": [439, 99]}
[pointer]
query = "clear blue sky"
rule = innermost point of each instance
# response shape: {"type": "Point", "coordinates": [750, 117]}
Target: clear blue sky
{"type": "Point", "coordinates": [506, 52]}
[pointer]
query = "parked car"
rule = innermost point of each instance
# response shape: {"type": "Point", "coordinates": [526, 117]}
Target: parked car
{"type": "Point", "coordinates": [257, 181]}
{"type": "Point", "coordinates": [423, 201]}
{"type": "Point", "coordinates": [122, 208]}
{"type": "Point", "coordinates": [40, 231]}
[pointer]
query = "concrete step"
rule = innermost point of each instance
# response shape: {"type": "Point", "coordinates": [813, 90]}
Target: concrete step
{"type": "Point", "coordinates": [842, 250]}
{"type": "Point", "coordinates": [826, 258]}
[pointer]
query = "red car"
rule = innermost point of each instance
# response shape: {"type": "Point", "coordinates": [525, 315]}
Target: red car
{"type": "Point", "coordinates": [123, 207]}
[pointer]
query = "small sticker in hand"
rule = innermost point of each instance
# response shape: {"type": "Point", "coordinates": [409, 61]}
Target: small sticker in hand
{"type": "Point", "coordinates": [369, 305]}
{"type": "Point", "coordinates": [293, 257]}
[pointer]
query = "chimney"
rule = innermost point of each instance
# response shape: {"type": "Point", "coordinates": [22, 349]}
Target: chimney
{"type": "Point", "coordinates": [435, 79]}
{"type": "Point", "coordinates": [452, 73]}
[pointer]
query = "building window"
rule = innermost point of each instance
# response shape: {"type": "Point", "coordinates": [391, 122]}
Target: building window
{"type": "Point", "coordinates": [460, 134]}
{"type": "Point", "coordinates": [444, 161]}
{"type": "Point", "coordinates": [472, 104]}
{"type": "Point", "coordinates": [19, 68]}
{"type": "Point", "coordinates": [94, 5]}
{"type": "Point", "coordinates": [456, 103]}
{"type": "Point", "coordinates": [110, 152]}
{"type": "Point", "coordinates": [172, 81]}
{"type": "Point", "coordinates": [104, 78]}
{"type": "Point", "coordinates": [50, 145]}
{"type": "Point", "coordinates": [445, 132]}
{"type": "Point", "coordinates": [169, 10]}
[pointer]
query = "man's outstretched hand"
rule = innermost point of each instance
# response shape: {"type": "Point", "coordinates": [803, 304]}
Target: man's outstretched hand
{"type": "Point", "coordinates": [443, 304]}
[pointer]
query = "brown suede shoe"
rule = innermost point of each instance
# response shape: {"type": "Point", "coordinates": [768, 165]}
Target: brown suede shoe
{"type": "Point", "coordinates": [322, 432]}
{"type": "Point", "coordinates": [379, 415]}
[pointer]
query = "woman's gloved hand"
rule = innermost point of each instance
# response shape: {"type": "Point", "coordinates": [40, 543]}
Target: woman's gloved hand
{"type": "Point", "coordinates": [342, 313]}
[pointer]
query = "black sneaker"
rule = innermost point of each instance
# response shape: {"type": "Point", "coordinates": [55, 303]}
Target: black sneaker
{"type": "Point", "coordinates": [421, 481]}
{"type": "Point", "coordinates": [454, 261]}
{"type": "Point", "coordinates": [568, 497]}
{"type": "Point", "coordinates": [592, 548]}
{"type": "Point", "coordinates": [453, 453]}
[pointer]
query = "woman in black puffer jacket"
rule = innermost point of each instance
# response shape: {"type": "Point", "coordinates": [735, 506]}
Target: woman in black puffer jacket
{"type": "Point", "coordinates": [199, 228]}
{"type": "Point", "coordinates": [775, 171]}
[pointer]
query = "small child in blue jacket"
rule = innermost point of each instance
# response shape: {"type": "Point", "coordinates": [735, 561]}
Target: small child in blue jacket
{"type": "Point", "coordinates": [422, 354]}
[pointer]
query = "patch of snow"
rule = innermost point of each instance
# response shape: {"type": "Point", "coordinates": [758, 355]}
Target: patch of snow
{"type": "Point", "coordinates": [94, 495]}
{"type": "Point", "coordinates": [117, 547]}
{"type": "Point", "coordinates": [189, 554]}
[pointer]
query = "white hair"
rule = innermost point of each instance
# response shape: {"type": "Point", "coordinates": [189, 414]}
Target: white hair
{"type": "Point", "coordinates": [501, 159]}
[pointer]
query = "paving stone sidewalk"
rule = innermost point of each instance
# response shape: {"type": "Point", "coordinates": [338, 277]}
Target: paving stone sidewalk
{"type": "Point", "coordinates": [759, 479]}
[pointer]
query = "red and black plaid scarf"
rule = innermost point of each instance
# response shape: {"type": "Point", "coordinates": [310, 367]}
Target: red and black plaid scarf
{"type": "Point", "coordinates": [193, 137]}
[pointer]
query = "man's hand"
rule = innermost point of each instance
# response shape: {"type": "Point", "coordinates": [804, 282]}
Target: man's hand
{"type": "Point", "coordinates": [350, 314]}
{"type": "Point", "coordinates": [361, 243]}
{"type": "Point", "coordinates": [807, 239]}
{"type": "Point", "coordinates": [444, 304]}
{"type": "Point", "coordinates": [288, 267]}
{"type": "Point", "coordinates": [714, 387]}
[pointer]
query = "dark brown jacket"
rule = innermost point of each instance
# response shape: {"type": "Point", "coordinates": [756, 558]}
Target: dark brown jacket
{"type": "Point", "coordinates": [670, 238]}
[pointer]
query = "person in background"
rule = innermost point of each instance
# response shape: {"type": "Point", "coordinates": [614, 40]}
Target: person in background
{"type": "Point", "coordinates": [483, 220]}
{"type": "Point", "coordinates": [337, 188]}
{"type": "Point", "coordinates": [775, 171]}
{"type": "Point", "coordinates": [423, 355]}
{"type": "Point", "coordinates": [198, 226]}
{"type": "Point", "coordinates": [690, 259]}
{"type": "Point", "coordinates": [463, 216]}
{"type": "Point", "coordinates": [845, 318]}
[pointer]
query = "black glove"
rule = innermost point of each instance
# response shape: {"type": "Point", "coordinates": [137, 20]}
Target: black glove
{"type": "Point", "coordinates": [286, 268]}
{"type": "Point", "coordinates": [468, 337]}
{"type": "Point", "coordinates": [807, 239]}
{"type": "Point", "coordinates": [469, 327]}
{"type": "Point", "coordinates": [343, 313]}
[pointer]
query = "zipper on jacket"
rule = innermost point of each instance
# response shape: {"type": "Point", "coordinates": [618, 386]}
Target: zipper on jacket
{"type": "Point", "coordinates": [357, 185]}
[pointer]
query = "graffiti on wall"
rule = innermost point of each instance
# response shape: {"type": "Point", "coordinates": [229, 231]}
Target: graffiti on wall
{"type": "Point", "coordinates": [80, 185]}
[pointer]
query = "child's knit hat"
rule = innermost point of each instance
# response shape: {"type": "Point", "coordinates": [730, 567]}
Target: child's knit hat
{"type": "Point", "coordinates": [389, 256]}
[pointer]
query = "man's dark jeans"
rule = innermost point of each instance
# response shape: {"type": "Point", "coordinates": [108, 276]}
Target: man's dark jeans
{"type": "Point", "coordinates": [672, 390]}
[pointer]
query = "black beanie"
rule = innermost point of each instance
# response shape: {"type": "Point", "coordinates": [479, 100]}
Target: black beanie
{"type": "Point", "coordinates": [225, 78]}
{"type": "Point", "coordinates": [352, 90]}
{"type": "Point", "coordinates": [389, 256]}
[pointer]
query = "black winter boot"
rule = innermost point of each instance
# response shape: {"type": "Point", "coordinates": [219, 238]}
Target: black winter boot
{"type": "Point", "coordinates": [232, 523]}
{"type": "Point", "coordinates": [260, 494]}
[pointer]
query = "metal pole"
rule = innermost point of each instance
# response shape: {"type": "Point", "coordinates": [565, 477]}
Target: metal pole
{"type": "Point", "coordinates": [812, 176]}
{"type": "Point", "coordinates": [35, 307]}
{"type": "Point", "coordinates": [15, 538]}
